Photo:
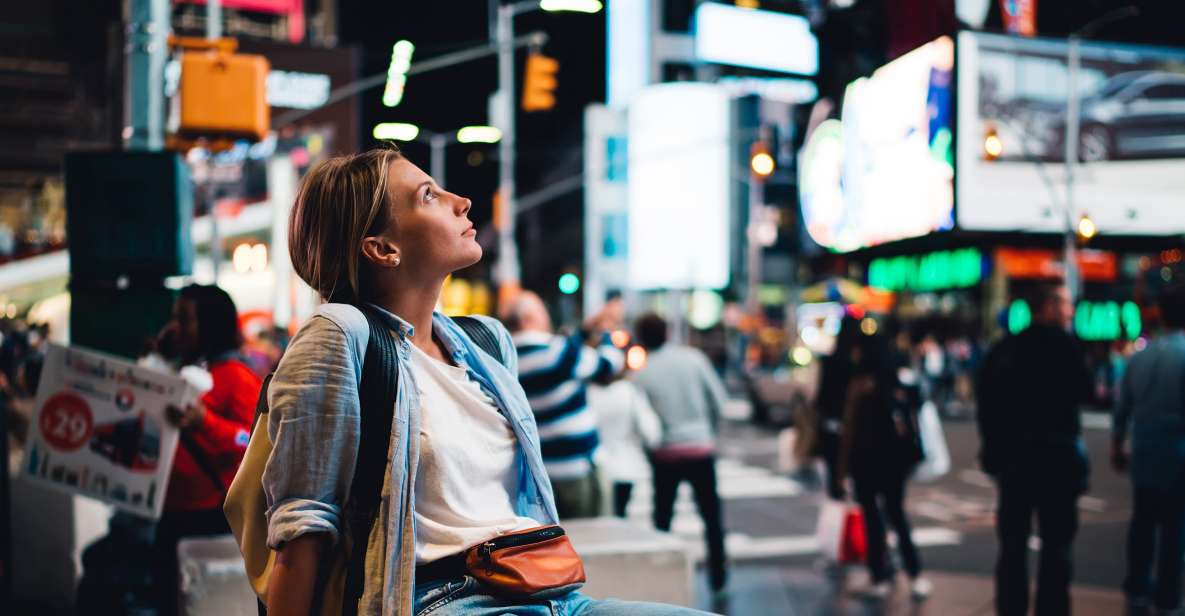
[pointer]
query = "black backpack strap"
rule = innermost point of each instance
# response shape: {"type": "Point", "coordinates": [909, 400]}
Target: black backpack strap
{"type": "Point", "coordinates": [376, 394]}
{"type": "Point", "coordinates": [482, 336]}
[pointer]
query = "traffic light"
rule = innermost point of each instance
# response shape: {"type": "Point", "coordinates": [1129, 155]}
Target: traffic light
{"type": "Point", "coordinates": [761, 161]}
{"type": "Point", "coordinates": [539, 82]}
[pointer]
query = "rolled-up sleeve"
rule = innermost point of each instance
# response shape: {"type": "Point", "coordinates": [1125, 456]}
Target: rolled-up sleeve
{"type": "Point", "coordinates": [313, 424]}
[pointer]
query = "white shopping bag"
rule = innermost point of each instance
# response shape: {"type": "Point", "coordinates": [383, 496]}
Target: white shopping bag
{"type": "Point", "coordinates": [937, 457]}
{"type": "Point", "coordinates": [788, 462]}
{"type": "Point", "coordinates": [829, 529]}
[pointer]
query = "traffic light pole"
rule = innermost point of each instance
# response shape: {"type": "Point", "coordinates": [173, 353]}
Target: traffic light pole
{"type": "Point", "coordinates": [507, 272]}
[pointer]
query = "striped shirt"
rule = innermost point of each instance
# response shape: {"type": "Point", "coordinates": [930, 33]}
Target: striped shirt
{"type": "Point", "coordinates": [554, 372]}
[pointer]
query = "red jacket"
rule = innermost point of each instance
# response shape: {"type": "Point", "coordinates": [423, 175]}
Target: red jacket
{"type": "Point", "coordinates": [222, 436]}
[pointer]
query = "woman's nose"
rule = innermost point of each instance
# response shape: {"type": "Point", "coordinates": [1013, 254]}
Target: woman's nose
{"type": "Point", "coordinates": [466, 205]}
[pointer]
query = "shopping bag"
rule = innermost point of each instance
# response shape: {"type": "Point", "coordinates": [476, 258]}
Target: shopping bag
{"type": "Point", "coordinates": [936, 462]}
{"type": "Point", "coordinates": [788, 460]}
{"type": "Point", "coordinates": [853, 546]}
{"type": "Point", "coordinates": [840, 532]}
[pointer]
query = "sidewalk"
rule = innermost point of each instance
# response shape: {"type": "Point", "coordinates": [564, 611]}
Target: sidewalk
{"type": "Point", "coordinates": [764, 590]}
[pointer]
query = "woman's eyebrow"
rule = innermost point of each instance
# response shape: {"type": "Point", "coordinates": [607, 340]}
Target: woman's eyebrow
{"type": "Point", "coordinates": [423, 184]}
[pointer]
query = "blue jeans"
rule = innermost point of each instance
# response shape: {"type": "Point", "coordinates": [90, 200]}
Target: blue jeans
{"type": "Point", "coordinates": [466, 597]}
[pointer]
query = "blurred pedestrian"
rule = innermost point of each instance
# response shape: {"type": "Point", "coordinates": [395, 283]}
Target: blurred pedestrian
{"type": "Point", "coordinates": [372, 232]}
{"type": "Point", "coordinates": [204, 331]}
{"type": "Point", "coordinates": [1029, 391]}
{"type": "Point", "coordinates": [879, 450]}
{"type": "Point", "coordinates": [834, 374]}
{"type": "Point", "coordinates": [555, 371]}
{"type": "Point", "coordinates": [628, 427]}
{"type": "Point", "coordinates": [689, 398]}
{"type": "Point", "coordinates": [1151, 406]}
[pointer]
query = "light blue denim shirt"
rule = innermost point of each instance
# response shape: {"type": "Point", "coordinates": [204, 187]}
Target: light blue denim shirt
{"type": "Point", "coordinates": [314, 424]}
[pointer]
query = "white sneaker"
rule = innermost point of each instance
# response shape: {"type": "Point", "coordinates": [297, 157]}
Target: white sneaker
{"type": "Point", "coordinates": [879, 591]}
{"type": "Point", "coordinates": [921, 589]}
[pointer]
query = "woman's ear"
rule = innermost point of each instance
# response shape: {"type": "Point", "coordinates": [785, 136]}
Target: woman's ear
{"type": "Point", "coordinates": [381, 251]}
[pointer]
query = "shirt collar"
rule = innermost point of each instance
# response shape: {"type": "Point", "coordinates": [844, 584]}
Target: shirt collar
{"type": "Point", "coordinates": [403, 327]}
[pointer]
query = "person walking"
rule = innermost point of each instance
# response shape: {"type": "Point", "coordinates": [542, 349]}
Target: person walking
{"type": "Point", "coordinates": [1029, 391]}
{"type": "Point", "coordinates": [1150, 406]}
{"type": "Point", "coordinates": [555, 371]}
{"type": "Point", "coordinates": [879, 450]}
{"type": "Point", "coordinates": [376, 237]}
{"type": "Point", "coordinates": [689, 397]}
{"type": "Point", "coordinates": [204, 331]}
{"type": "Point", "coordinates": [628, 427]}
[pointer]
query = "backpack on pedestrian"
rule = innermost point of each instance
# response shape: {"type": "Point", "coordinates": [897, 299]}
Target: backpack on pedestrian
{"type": "Point", "coordinates": [246, 502]}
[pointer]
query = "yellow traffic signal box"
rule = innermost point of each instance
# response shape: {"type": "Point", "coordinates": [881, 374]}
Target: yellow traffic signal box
{"type": "Point", "coordinates": [539, 82]}
{"type": "Point", "coordinates": [224, 95]}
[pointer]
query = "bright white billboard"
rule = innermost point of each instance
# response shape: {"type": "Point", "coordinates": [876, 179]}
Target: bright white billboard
{"type": "Point", "coordinates": [755, 39]}
{"type": "Point", "coordinates": [1012, 119]}
{"type": "Point", "coordinates": [885, 171]}
{"type": "Point", "coordinates": [679, 169]}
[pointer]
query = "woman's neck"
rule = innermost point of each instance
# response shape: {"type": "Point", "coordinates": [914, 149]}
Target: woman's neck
{"type": "Point", "coordinates": [414, 302]}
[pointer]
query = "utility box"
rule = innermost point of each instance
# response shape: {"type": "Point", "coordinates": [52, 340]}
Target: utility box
{"type": "Point", "coordinates": [224, 95]}
{"type": "Point", "coordinates": [128, 214]}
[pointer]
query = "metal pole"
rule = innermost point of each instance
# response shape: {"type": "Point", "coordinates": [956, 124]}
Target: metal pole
{"type": "Point", "coordinates": [754, 247]}
{"type": "Point", "coordinates": [213, 19]}
{"type": "Point", "coordinates": [507, 270]}
{"type": "Point", "coordinates": [213, 32]}
{"type": "Point", "coordinates": [1071, 160]}
{"type": "Point", "coordinates": [147, 41]}
{"type": "Point", "coordinates": [436, 162]}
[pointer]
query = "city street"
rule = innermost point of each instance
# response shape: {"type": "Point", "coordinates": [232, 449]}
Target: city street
{"type": "Point", "coordinates": [776, 568]}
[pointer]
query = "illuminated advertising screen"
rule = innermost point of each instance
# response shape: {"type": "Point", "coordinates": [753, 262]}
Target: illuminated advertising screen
{"type": "Point", "coordinates": [679, 173]}
{"type": "Point", "coordinates": [1012, 97]}
{"type": "Point", "coordinates": [886, 171]}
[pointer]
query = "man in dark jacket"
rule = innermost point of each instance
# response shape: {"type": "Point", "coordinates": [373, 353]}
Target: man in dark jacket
{"type": "Point", "coordinates": [1029, 391]}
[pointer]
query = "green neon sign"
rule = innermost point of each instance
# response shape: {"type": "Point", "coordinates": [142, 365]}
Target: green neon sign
{"type": "Point", "coordinates": [1019, 316]}
{"type": "Point", "coordinates": [1093, 321]}
{"type": "Point", "coordinates": [946, 269]}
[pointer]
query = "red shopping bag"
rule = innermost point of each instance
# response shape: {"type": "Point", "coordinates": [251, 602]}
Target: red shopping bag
{"type": "Point", "coordinates": [853, 543]}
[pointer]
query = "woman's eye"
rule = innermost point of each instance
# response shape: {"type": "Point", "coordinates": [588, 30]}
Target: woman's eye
{"type": "Point", "coordinates": [429, 194]}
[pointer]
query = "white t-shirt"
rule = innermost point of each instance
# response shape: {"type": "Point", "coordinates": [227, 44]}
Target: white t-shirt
{"type": "Point", "coordinates": [468, 466]}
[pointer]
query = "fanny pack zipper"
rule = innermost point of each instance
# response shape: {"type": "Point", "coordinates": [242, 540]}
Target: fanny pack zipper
{"type": "Point", "coordinates": [510, 541]}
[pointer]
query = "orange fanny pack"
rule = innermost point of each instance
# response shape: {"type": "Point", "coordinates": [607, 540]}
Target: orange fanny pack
{"type": "Point", "coordinates": [536, 563]}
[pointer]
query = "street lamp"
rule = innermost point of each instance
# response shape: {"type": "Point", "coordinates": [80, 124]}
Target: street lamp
{"type": "Point", "coordinates": [400, 131]}
{"type": "Point", "coordinates": [507, 270]}
{"type": "Point", "coordinates": [1073, 60]}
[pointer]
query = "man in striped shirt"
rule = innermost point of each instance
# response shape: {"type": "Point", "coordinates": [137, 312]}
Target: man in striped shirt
{"type": "Point", "coordinates": [554, 371]}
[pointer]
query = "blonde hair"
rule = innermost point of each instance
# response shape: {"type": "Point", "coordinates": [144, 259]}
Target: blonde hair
{"type": "Point", "coordinates": [340, 201]}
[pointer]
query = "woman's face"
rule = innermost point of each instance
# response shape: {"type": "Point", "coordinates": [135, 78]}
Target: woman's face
{"type": "Point", "coordinates": [429, 225]}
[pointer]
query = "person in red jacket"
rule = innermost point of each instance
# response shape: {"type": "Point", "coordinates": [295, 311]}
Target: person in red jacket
{"type": "Point", "coordinates": [204, 331]}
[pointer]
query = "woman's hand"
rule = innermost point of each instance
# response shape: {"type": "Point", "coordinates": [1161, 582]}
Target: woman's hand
{"type": "Point", "coordinates": [191, 416]}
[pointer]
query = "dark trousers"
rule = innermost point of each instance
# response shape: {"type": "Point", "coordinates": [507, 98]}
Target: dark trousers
{"type": "Point", "coordinates": [621, 497]}
{"type": "Point", "coordinates": [883, 498]}
{"type": "Point", "coordinates": [702, 475]}
{"type": "Point", "coordinates": [170, 530]}
{"type": "Point", "coordinates": [1057, 522]}
{"type": "Point", "coordinates": [578, 498]}
{"type": "Point", "coordinates": [1157, 532]}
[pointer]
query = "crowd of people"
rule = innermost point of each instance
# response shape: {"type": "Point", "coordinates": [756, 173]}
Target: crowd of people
{"type": "Point", "coordinates": [556, 427]}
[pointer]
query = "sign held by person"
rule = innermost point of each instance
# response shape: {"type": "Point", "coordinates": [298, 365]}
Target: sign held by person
{"type": "Point", "coordinates": [99, 429]}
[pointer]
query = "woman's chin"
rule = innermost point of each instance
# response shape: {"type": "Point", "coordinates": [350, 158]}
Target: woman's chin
{"type": "Point", "coordinates": [471, 255]}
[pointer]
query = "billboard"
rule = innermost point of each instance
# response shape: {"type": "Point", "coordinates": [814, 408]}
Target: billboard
{"type": "Point", "coordinates": [1012, 118]}
{"type": "Point", "coordinates": [679, 200]}
{"type": "Point", "coordinates": [752, 38]}
{"type": "Point", "coordinates": [886, 172]}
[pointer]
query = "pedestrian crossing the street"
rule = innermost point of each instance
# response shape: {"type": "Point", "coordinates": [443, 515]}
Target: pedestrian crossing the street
{"type": "Point", "coordinates": [738, 481]}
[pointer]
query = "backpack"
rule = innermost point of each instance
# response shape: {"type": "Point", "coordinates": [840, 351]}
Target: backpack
{"type": "Point", "coordinates": [342, 574]}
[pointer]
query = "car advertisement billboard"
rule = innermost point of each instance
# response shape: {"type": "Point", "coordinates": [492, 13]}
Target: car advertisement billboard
{"type": "Point", "coordinates": [886, 171]}
{"type": "Point", "coordinates": [1012, 99]}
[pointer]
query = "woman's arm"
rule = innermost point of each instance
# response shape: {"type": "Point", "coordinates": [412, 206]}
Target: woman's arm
{"type": "Point", "coordinates": [294, 575]}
